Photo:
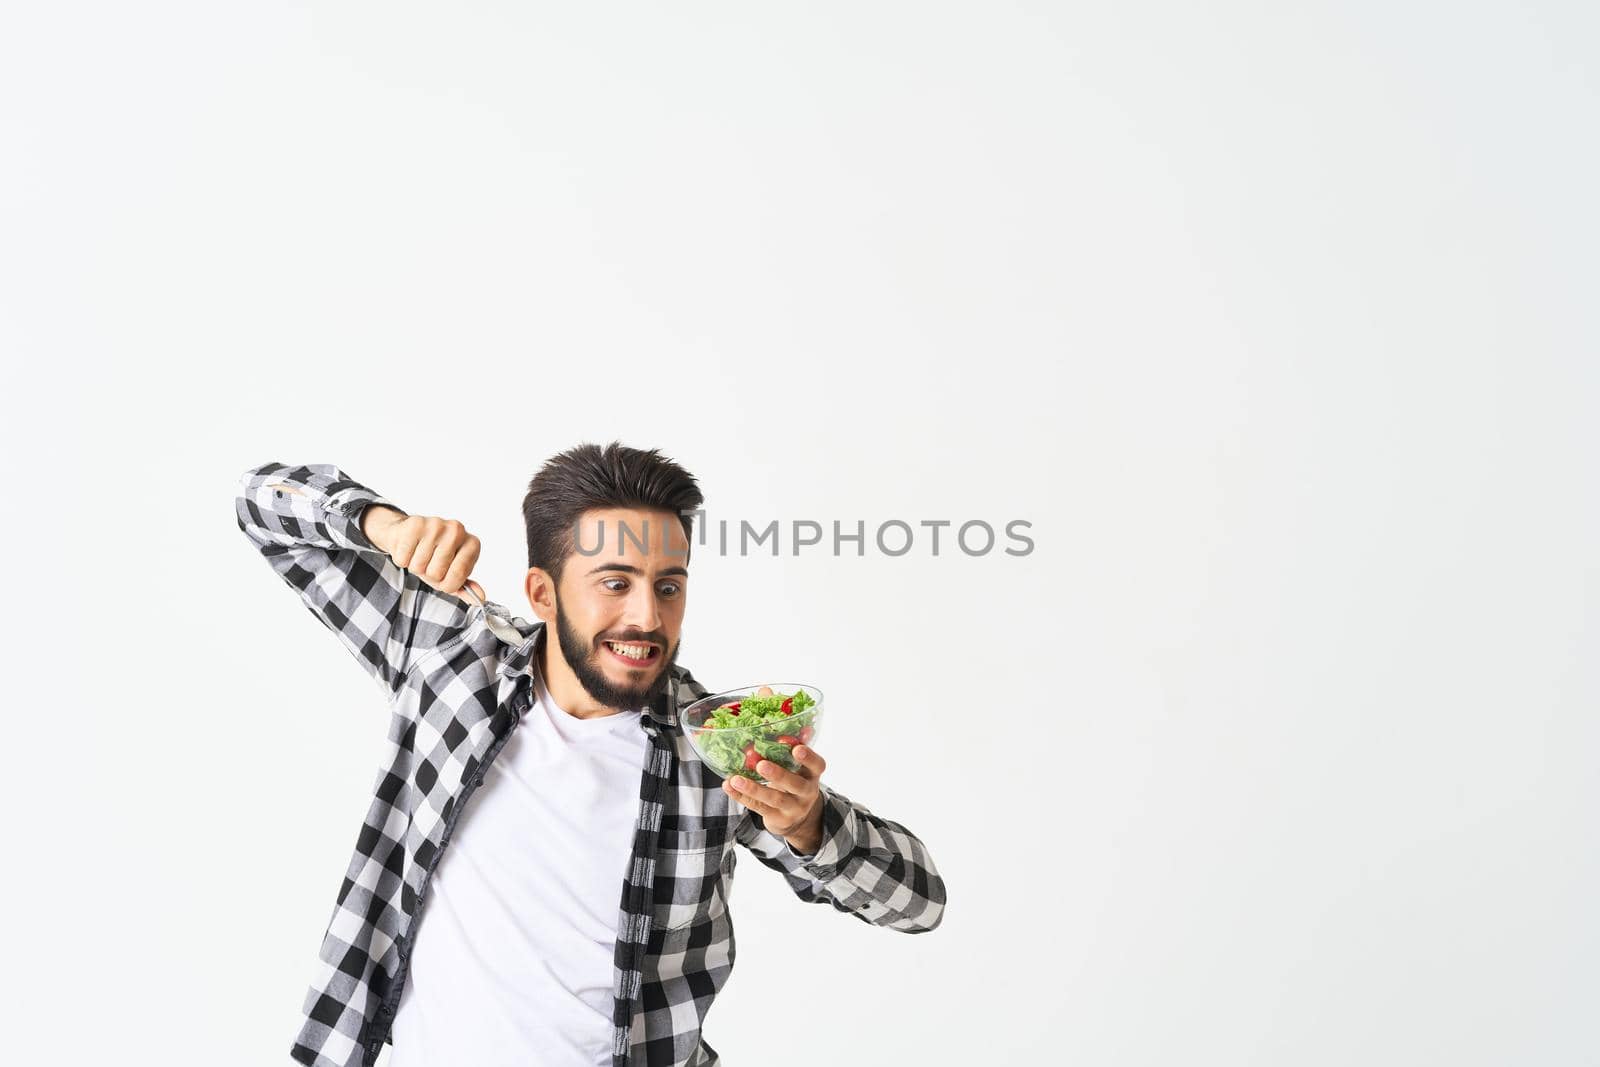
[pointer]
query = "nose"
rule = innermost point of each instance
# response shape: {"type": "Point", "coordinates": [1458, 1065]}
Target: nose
{"type": "Point", "coordinates": [642, 612]}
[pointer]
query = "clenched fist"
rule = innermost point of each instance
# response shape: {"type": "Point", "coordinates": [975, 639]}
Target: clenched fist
{"type": "Point", "coordinates": [439, 551]}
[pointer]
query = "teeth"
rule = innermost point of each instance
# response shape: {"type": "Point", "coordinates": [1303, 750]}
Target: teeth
{"type": "Point", "coordinates": [631, 651]}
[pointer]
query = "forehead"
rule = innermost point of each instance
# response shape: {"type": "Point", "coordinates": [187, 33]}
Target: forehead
{"type": "Point", "coordinates": [647, 539]}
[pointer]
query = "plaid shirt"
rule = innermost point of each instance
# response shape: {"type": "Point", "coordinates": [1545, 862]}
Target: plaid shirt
{"type": "Point", "coordinates": [455, 693]}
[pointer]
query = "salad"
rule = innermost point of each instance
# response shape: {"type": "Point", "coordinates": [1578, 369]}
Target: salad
{"type": "Point", "coordinates": [763, 726]}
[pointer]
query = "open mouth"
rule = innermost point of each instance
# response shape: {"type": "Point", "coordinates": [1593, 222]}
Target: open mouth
{"type": "Point", "coordinates": [633, 654]}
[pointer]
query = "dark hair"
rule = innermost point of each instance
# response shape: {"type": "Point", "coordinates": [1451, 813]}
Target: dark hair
{"type": "Point", "coordinates": [588, 476]}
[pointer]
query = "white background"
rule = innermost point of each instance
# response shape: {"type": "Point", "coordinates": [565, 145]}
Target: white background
{"type": "Point", "coordinates": [1275, 321]}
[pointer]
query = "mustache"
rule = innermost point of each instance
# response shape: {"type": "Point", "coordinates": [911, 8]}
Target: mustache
{"type": "Point", "coordinates": [636, 638]}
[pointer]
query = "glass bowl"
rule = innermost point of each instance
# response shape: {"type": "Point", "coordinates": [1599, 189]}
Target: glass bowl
{"type": "Point", "coordinates": [735, 750]}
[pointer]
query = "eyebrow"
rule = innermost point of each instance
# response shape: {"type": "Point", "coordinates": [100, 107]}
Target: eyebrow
{"type": "Point", "coordinates": [629, 568]}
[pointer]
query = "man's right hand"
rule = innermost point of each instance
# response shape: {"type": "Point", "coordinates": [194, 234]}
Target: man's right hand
{"type": "Point", "coordinates": [439, 551]}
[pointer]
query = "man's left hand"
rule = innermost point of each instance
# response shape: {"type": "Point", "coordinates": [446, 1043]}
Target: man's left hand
{"type": "Point", "coordinates": [790, 804]}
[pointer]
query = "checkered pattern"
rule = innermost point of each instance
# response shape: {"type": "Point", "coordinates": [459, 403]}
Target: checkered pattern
{"type": "Point", "coordinates": [455, 693]}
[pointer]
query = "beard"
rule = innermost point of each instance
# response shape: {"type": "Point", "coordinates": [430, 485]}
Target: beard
{"type": "Point", "coordinates": [583, 655]}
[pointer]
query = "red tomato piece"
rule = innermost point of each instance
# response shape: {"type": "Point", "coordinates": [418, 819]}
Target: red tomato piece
{"type": "Point", "coordinates": [788, 739]}
{"type": "Point", "coordinates": [751, 758]}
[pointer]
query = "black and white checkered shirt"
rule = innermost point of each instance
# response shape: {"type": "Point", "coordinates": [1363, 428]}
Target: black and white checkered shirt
{"type": "Point", "coordinates": [455, 693]}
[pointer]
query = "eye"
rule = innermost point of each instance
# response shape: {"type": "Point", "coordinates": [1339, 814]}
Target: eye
{"type": "Point", "coordinates": [667, 589]}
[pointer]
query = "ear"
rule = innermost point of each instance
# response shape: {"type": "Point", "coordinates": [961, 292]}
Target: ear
{"type": "Point", "coordinates": [541, 590]}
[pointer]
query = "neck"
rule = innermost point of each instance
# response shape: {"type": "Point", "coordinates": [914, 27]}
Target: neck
{"type": "Point", "coordinates": [565, 689]}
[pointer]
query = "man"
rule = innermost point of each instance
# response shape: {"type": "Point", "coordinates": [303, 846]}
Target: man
{"type": "Point", "coordinates": [588, 783]}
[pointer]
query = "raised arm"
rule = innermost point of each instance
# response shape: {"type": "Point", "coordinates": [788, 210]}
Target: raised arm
{"type": "Point", "coordinates": [307, 522]}
{"type": "Point", "coordinates": [866, 866]}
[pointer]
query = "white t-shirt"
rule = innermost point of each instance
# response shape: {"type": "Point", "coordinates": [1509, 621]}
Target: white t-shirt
{"type": "Point", "coordinates": [513, 959]}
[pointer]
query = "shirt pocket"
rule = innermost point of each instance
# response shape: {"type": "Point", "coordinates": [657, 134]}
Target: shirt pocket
{"type": "Point", "coordinates": [690, 870]}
